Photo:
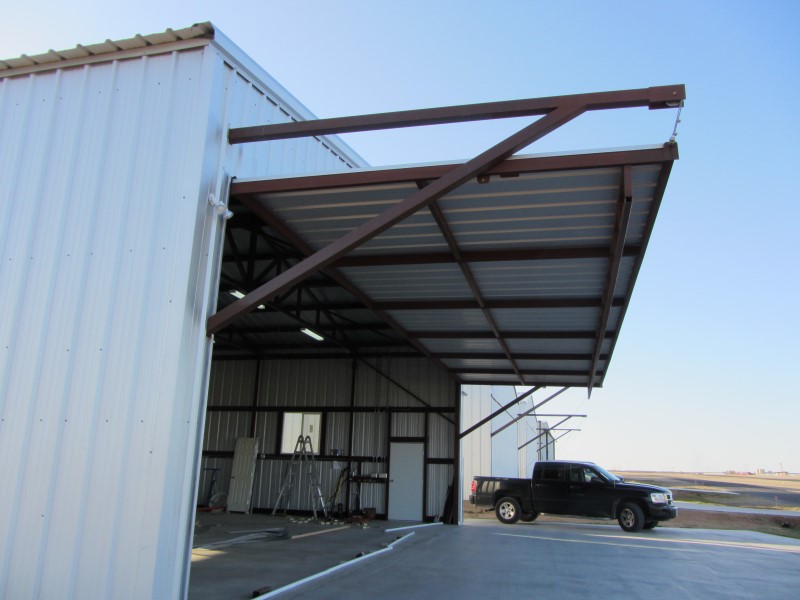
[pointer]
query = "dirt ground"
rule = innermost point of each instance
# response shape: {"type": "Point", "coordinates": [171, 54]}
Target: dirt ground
{"type": "Point", "coordinates": [729, 490]}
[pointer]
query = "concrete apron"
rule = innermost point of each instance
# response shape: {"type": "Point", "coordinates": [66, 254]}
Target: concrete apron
{"type": "Point", "coordinates": [261, 556]}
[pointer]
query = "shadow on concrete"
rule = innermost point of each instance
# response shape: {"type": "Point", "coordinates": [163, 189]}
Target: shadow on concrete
{"type": "Point", "coordinates": [246, 556]}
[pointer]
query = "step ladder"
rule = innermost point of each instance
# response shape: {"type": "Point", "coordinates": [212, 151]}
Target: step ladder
{"type": "Point", "coordinates": [302, 460]}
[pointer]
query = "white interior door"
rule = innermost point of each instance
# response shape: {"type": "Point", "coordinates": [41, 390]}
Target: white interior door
{"type": "Point", "coordinates": [406, 464]}
{"type": "Point", "coordinates": [244, 469]}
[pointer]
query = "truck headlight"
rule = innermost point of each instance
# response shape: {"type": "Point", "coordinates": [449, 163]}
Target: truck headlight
{"type": "Point", "coordinates": [658, 498]}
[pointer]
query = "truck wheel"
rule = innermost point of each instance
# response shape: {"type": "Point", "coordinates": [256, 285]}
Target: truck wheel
{"type": "Point", "coordinates": [529, 517]}
{"type": "Point", "coordinates": [631, 517]}
{"type": "Point", "coordinates": [650, 524]}
{"type": "Point", "coordinates": [507, 511]}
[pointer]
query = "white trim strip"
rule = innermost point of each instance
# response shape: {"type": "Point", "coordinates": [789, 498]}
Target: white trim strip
{"type": "Point", "coordinates": [413, 526]}
{"type": "Point", "coordinates": [338, 567]}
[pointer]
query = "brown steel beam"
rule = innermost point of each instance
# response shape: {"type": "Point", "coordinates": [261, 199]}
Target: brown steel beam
{"type": "Point", "coordinates": [517, 355]}
{"type": "Point", "coordinates": [441, 222]}
{"type": "Point", "coordinates": [410, 175]}
{"type": "Point", "coordinates": [485, 420]}
{"type": "Point", "coordinates": [517, 335]}
{"type": "Point", "coordinates": [530, 441]}
{"type": "Point", "coordinates": [624, 207]}
{"type": "Point", "coordinates": [658, 196]}
{"type": "Point", "coordinates": [523, 254]}
{"type": "Point", "coordinates": [532, 254]}
{"type": "Point", "coordinates": [538, 372]}
{"type": "Point", "coordinates": [654, 98]}
{"type": "Point", "coordinates": [467, 304]}
{"type": "Point", "coordinates": [375, 327]}
{"type": "Point", "coordinates": [315, 306]}
{"type": "Point", "coordinates": [300, 244]}
{"type": "Point", "coordinates": [375, 226]}
{"type": "Point", "coordinates": [529, 411]}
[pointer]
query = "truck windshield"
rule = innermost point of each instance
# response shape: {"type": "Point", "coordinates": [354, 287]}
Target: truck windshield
{"type": "Point", "coordinates": [607, 475]}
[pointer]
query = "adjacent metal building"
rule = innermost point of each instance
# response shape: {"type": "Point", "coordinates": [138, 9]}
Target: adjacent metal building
{"type": "Point", "coordinates": [144, 338]}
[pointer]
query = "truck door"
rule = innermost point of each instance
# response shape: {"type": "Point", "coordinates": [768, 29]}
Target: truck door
{"type": "Point", "coordinates": [589, 492]}
{"type": "Point", "coordinates": [551, 489]}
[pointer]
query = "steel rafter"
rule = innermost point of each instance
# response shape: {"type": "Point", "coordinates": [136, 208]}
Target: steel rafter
{"type": "Point", "coordinates": [529, 411]}
{"type": "Point", "coordinates": [533, 439]}
{"type": "Point", "coordinates": [444, 228]}
{"type": "Point", "coordinates": [518, 335]}
{"type": "Point", "coordinates": [300, 244]}
{"type": "Point", "coordinates": [523, 254]}
{"type": "Point", "coordinates": [518, 355]}
{"type": "Point", "coordinates": [668, 96]}
{"type": "Point", "coordinates": [377, 225]}
{"type": "Point", "coordinates": [658, 196]}
{"type": "Point", "coordinates": [485, 420]}
{"type": "Point", "coordinates": [482, 303]}
{"type": "Point", "coordinates": [624, 207]}
{"type": "Point", "coordinates": [436, 182]}
{"type": "Point", "coordinates": [512, 167]}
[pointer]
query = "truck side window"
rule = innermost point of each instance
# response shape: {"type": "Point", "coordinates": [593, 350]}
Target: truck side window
{"type": "Point", "coordinates": [590, 474]}
{"type": "Point", "coordinates": [554, 474]}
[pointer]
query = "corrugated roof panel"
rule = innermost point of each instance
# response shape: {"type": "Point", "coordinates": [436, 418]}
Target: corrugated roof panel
{"type": "Point", "coordinates": [477, 363]}
{"type": "Point", "coordinates": [438, 346]}
{"type": "Point", "coordinates": [547, 319]}
{"type": "Point", "coordinates": [441, 320]}
{"type": "Point", "coordinates": [534, 210]}
{"type": "Point", "coordinates": [579, 278]}
{"type": "Point", "coordinates": [579, 346]}
{"type": "Point", "coordinates": [410, 281]}
{"type": "Point", "coordinates": [494, 378]}
{"type": "Point", "coordinates": [555, 365]}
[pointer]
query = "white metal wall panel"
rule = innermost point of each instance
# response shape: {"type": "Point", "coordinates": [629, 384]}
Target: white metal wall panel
{"type": "Point", "coordinates": [441, 436]}
{"type": "Point", "coordinates": [232, 383]}
{"type": "Point", "coordinates": [103, 361]}
{"type": "Point", "coordinates": [440, 478]}
{"type": "Point", "coordinates": [108, 260]}
{"type": "Point", "coordinates": [408, 425]}
{"type": "Point", "coordinates": [476, 448]}
{"type": "Point", "coordinates": [240, 492]}
{"type": "Point", "coordinates": [305, 383]}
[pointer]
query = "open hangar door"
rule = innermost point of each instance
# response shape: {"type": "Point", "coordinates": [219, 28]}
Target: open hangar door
{"type": "Point", "coordinates": [316, 361]}
{"type": "Point", "coordinates": [362, 300]}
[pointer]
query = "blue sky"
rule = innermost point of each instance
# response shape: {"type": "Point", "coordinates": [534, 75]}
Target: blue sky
{"type": "Point", "coordinates": [704, 376]}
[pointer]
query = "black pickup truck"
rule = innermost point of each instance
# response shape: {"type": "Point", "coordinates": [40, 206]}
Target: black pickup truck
{"type": "Point", "coordinates": [574, 488]}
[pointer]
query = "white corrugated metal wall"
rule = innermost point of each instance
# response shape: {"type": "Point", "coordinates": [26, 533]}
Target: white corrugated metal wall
{"type": "Point", "coordinates": [328, 383]}
{"type": "Point", "coordinates": [109, 266]}
{"type": "Point", "coordinates": [476, 448]}
{"type": "Point", "coordinates": [102, 334]}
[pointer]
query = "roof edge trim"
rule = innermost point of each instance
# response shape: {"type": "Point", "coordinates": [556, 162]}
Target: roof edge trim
{"type": "Point", "coordinates": [196, 36]}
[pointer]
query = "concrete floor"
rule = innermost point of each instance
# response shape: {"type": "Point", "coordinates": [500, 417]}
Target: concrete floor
{"type": "Point", "coordinates": [485, 559]}
{"type": "Point", "coordinates": [234, 554]}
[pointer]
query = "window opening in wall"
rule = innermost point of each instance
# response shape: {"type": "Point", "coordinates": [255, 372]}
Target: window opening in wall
{"type": "Point", "coordinates": [296, 424]}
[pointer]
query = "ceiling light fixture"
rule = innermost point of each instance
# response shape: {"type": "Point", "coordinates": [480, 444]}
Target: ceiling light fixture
{"type": "Point", "coordinates": [312, 334]}
{"type": "Point", "coordinates": [237, 294]}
